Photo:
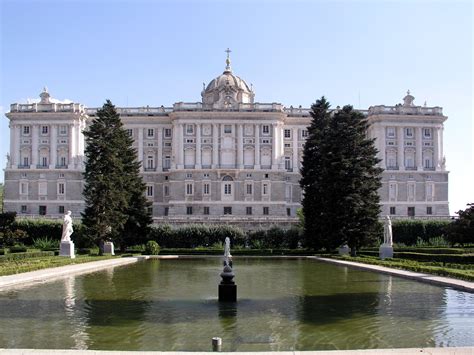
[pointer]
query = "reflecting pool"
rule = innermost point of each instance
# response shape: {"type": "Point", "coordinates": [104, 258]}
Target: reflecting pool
{"type": "Point", "coordinates": [284, 304]}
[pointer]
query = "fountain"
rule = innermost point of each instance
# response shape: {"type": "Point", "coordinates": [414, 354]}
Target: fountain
{"type": "Point", "coordinates": [227, 287]}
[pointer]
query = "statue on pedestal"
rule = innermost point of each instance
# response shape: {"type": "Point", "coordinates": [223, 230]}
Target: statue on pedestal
{"type": "Point", "coordinates": [387, 232]}
{"type": "Point", "coordinates": [67, 227]}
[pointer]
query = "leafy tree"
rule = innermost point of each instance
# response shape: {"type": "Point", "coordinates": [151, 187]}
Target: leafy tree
{"type": "Point", "coordinates": [461, 231]}
{"type": "Point", "coordinates": [340, 179]}
{"type": "Point", "coordinates": [113, 192]}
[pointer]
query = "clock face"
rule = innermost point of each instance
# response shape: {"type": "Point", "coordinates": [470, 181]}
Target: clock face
{"type": "Point", "coordinates": [206, 130]}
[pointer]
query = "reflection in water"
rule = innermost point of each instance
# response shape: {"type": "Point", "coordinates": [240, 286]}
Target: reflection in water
{"type": "Point", "coordinates": [286, 305]}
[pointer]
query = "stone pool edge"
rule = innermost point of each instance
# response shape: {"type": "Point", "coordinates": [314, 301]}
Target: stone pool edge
{"type": "Point", "coordinates": [38, 276]}
{"type": "Point", "coordinates": [460, 285]}
{"type": "Point", "coordinates": [403, 351]}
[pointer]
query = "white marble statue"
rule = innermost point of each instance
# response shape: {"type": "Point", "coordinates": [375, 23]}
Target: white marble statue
{"type": "Point", "coordinates": [227, 248]}
{"type": "Point", "coordinates": [67, 227]}
{"type": "Point", "coordinates": [387, 232]}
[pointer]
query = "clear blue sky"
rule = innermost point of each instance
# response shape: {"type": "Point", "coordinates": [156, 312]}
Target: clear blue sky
{"type": "Point", "coordinates": [155, 53]}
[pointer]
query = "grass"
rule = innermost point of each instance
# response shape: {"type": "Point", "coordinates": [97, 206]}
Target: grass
{"type": "Point", "coordinates": [32, 264]}
{"type": "Point", "coordinates": [457, 271]}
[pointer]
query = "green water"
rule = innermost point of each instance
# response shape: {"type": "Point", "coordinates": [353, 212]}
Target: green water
{"type": "Point", "coordinates": [283, 304]}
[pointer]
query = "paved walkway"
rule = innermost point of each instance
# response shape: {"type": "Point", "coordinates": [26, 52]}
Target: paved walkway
{"type": "Point", "coordinates": [418, 276]}
{"type": "Point", "coordinates": [412, 351]}
{"type": "Point", "coordinates": [38, 276]}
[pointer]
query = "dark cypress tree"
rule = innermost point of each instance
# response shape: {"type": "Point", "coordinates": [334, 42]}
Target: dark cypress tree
{"type": "Point", "coordinates": [340, 179]}
{"type": "Point", "coordinates": [114, 190]}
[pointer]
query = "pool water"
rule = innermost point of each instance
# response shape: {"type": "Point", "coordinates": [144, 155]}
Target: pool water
{"type": "Point", "coordinates": [283, 304]}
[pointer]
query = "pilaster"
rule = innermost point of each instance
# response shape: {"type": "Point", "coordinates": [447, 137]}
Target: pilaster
{"type": "Point", "coordinates": [401, 149]}
{"type": "Point", "coordinates": [198, 147]}
{"type": "Point", "coordinates": [34, 146]}
{"type": "Point", "coordinates": [419, 148]}
{"type": "Point", "coordinates": [257, 146]}
{"type": "Point", "coordinates": [240, 146]}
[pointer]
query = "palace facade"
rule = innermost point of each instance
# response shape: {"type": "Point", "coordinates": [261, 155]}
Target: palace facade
{"type": "Point", "coordinates": [226, 159]}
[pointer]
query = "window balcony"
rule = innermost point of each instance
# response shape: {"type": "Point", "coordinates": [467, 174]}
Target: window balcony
{"type": "Point", "coordinates": [413, 168]}
{"type": "Point", "coordinates": [23, 166]}
{"type": "Point", "coordinates": [150, 169]}
{"type": "Point", "coordinates": [206, 166]}
{"type": "Point", "coordinates": [426, 168]}
{"type": "Point", "coordinates": [60, 166]}
{"type": "Point", "coordinates": [42, 166]}
{"type": "Point", "coordinates": [392, 168]}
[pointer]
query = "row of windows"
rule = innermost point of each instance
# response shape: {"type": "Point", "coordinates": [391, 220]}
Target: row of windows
{"type": "Point", "coordinates": [45, 130]}
{"type": "Point", "coordinates": [43, 188]}
{"type": "Point", "coordinates": [151, 132]}
{"type": "Point", "coordinates": [227, 210]}
{"type": "Point", "coordinates": [411, 211]}
{"type": "Point", "coordinates": [62, 161]}
{"type": "Point", "coordinates": [409, 132]}
{"type": "Point", "coordinates": [42, 210]}
{"type": "Point", "coordinates": [206, 189]}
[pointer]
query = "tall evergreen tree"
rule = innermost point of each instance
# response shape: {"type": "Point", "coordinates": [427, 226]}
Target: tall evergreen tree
{"type": "Point", "coordinates": [114, 190]}
{"type": "Point", "coordinates": [340, 179]}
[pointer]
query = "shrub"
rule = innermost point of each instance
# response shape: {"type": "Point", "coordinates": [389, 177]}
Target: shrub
{"type": "Point", "coordinates": [18, 249]}
{"type": "Point", "coordinates": [152, 248]}
{"type": "Point", "coordinates": [409, 232]}
{"type": "Point", "coordinates": [45, 243]}
{"type": "Point", "coordinates": [24, 255]}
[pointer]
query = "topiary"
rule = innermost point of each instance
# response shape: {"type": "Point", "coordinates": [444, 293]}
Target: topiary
{"type": "Point", "coordinates": [152, 248]}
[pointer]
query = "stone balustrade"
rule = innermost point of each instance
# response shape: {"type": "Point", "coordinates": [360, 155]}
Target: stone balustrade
{"type": "Point", "coordinates": [405, 110]}
{"type": "Point", "coordinates": [51, 107]}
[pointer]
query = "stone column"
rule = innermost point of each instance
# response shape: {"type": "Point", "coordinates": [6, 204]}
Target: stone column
{"type": "Point", "coordinates": [34, 146]}
{"type": "Point", "coordinates": [53, 147]}
{"type": "Point", "coordinates": [180, 146]}
{"type": "Point", "coordinates": [401, 149]}
{"type": "Point", "coordinates": [295, 150]}
{"type": "Point", "coordinates": [72, 146]}
{"type": "Point", "coordinates": [174, 146]}
{"type": "Point", "coordinates": [441, 149]}
{"type": "Point", "coordinates": [215, 145]}
{"type": "Point", "coordinates": [380, 136]}
{"type": "Point", "coordinates": [159, 152]}
{"type": "Point", "coordinates": [140, 147]}
{"type": "Point", "coordinates": [419, 148]}
{"type": "Point", "coordinates": [436, 159]}
{"type": "Point", "coordinates": [198, 147]}
{"type": "Point", "coordinates": [15, 141]}
{"type": "Point", "coordinates": [275, 146]}
{"type": "Point", "coordinates": [257, 146]}
{"type": "Point", "coordinates": [240, 147]}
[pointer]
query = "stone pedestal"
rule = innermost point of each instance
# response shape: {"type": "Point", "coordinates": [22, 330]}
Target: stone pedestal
{"type": "Point", "coordinates": [344, 250]}
{"type": "Point", "coordinates": [67, 249]}
{"type": "Point", "coordinates": [109, 248]}
{"type": "Point", "coordinates": [227, 292]}
{"type": "Point", "coordinates": [385, 251]}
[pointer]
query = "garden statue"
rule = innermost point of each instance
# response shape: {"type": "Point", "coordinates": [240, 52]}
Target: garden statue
{"type": "Point", "coordinates": [67, 245]}
{"type": "Point", "coordinates": [387, 231]}
{"type": "Point", "coordinates": [386, 249]}
{"type": "Point", "coordinates": [227, 287]}
{"type": "Point", "coordinates": [67, 227]}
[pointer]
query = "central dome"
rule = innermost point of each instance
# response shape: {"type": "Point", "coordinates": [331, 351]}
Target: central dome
{"type": "Point", "coordinates": [227, 90]}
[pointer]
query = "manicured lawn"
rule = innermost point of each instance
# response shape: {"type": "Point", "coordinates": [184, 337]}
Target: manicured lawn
{"type": "Point", "coordinates": [457, 271]}
{"type": "Point", "coordinates": [18, 266]}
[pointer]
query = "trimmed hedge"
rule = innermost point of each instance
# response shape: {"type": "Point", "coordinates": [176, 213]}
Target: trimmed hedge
{"type": "Point", "coordinates": [442, 258]}
{"type": "Point", "coordinates": [236, 252]}
{"type": "Point", "coordinates": [425, 250]}
{"type": "Point", "coordinates": [28, 255]}
{"type": "Point", "coordinates": [409, 231]}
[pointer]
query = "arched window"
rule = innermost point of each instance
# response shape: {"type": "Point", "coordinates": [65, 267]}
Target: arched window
{"type": "Point", "coordinates": [227, 178]}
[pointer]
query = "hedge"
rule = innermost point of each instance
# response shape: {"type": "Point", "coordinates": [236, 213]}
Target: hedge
{"type": "Point", "coordinates": [235, 252]}
{"type": "Point", "coordinates": [28, 255]}
{"type": "Point", "coordinates": [426, 250]}
{"type": "Point", "coordinates": [409, 231]}
{"type": "Point", "coordinates": [442, 258]}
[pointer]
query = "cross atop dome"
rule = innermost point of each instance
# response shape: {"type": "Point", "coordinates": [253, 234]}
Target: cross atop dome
{"type": "Point", "coordinates": [227, 61]}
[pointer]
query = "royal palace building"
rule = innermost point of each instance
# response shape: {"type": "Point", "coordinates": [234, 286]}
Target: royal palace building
{"type": "Point", "coordinates": [226, 159]}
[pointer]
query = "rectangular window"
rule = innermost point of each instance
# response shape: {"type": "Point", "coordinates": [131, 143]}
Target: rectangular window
{"type": "Point", "coordinates": [248, 211]}
{"type": "Point", "coordinates": [44, 129]}
{"type": "Point", "coordinates": [304, 133]}
{"type": "Point", "coordinates": [227, 210]}
{"type": "Point", "coordinates": [62, 130]}
{"type": "Point", "coordinates": [391, 132]}
{"type": "Point", "coordinates": [150, 162]}
{"type": "Point", "coordinates": [166, 190]}
{"type": "Point", "coordinates": [205, 175]}
{"type": "Point", "coordinates": [189, 129]}
{"type": "Point", "coordinates": [167, 132]}
{"type": "Point", "coordinates": [189, 175]}
{"type": "Point", "coordinates": [129, 132]}
{"type": "Point", "coordinates": [23, 209]}
{"type": "Point", "coordinates": [61, 188]}
{"type": "Point", "coordinates": [265, 129]}
{"type": "Point", "coordinates": [393, 210]}
{"type": "Point", "coordinates": [62, 161]}
{"type": "Point", "coordinates": [287, 145]}
{"type": "Point", "coordinates": [265, 188]}
{"type": "Point", "coordinates": [26, 161]}
{"type": "Point", "coordinates": [167, 162]}
{"type": "Point", "coordinates": [288, 212]}
{"type": "Point", "coordinates": [149, 190]}
{"type": "Point", "coordinates": [189, 189]}
{"type": "Point", "coordinates": [44, 161]}
{"type": "Point", "coordinates": [150, 210]}
{"type": "Point", "coordinates": [287, 133]}
{"type": "Point", "coordinates": [249, 175]}
{"type": "Point", "coordinates": [411, 211]}
{"type": "Point", "coordinates": [266, 211]}
{"type": "Point", "coordinates": [206, 188]}
{"type": "Point", "coordinates": [249, 189]}
{"type": "Point", "coordinates": [26, 130]}
{"type": "Point", "coordinates": [429, 210]}
{"type": "Point", "coordinates": [150, 133]}
{"type": "Point", "coordinates": [205, 210]}
{"type": "Point", "coordinates": [42, 188]}
{"type": "Point", "coordinates": [189, 210]}
{"type": "Point", "coordinates": [287, 163]}
{"type": "Point", "coordinates": [265, 141]}
{"type": "Point", "coordinates": [427, 132]}
{"type": "Point", "coordinates": [227, 189]}
{"type": "Point", "coordinates": [165, 213]}
{"type": "Point", "coordinates": [409, 132]}
{"type": "Point", "coordinates": [227, 128]}
{"type": "Point", "coordinates": [189, 140]}
{"type": "Point", "coordinates": [61, 209]}
{"type": "Point", "coordinates": [42, 210]}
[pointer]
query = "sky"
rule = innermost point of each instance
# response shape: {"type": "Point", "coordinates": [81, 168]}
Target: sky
{"type": "Point", "coordinates": [144, 52]}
